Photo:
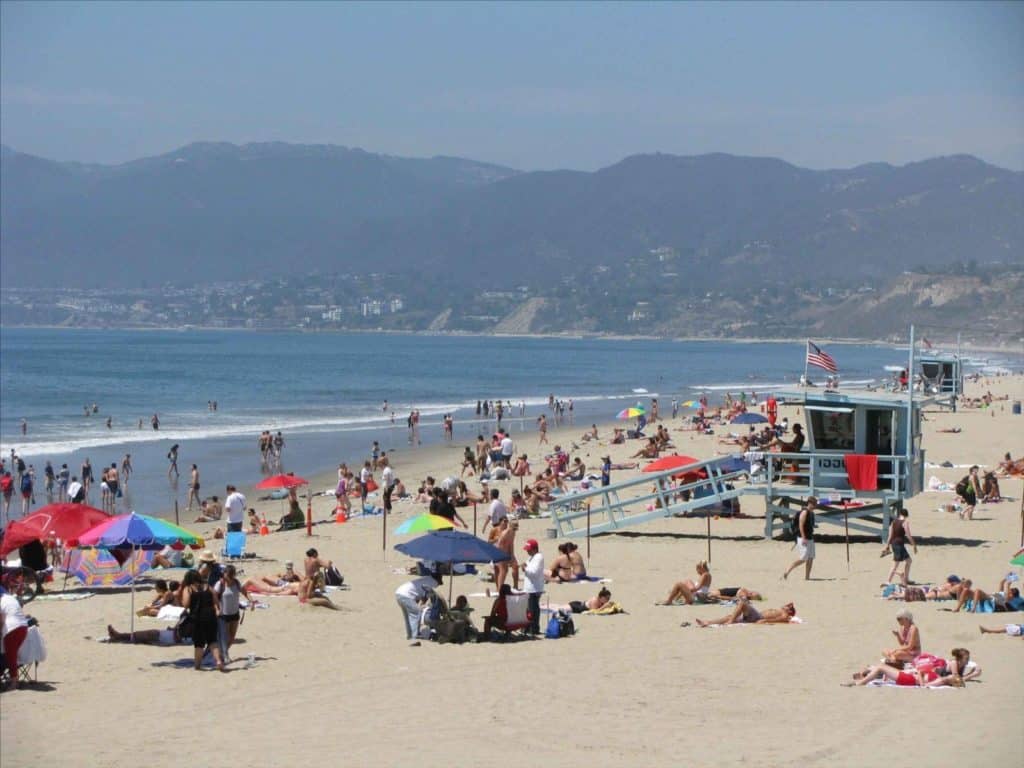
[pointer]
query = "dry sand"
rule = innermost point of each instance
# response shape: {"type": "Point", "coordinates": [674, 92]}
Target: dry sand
{"type": "Point", "coordinates": [634, 689]}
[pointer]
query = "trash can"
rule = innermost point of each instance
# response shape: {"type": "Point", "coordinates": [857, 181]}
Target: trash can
{"type": "Point", "coordinates": [1016, 407]}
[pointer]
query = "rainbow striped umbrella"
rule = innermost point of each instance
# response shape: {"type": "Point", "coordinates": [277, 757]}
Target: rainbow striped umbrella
{"type": "Point", "coordinates": [133, 531]}
{"type": "Point", "coordinates": [100, 568]}
{"type": "Point", "coordinates": [631, 413]}
{"type": "Point", "coordinates": [137, 532]}
{"type": "Point", "coordinates": [424, 522]}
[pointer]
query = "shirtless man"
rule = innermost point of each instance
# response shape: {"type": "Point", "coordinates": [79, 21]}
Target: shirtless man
{"type": "Point", "coordinates": [506, 542]}
{"type": "Point", "coordinates": [193, 488]}
{"type": "Point", "coordinates": [745, 613]}
{"type": "Point", "coordinates": [113, 483]}
{"type": "Point", "coordinates": [286, 583]}
{"type": "Point", "coordinates": [542, 426]}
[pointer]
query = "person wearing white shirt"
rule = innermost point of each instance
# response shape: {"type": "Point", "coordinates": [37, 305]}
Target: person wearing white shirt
{"type": "Point", "coordinates": [76, 491]}
{"type": "Point", "coordinates": [15, 629]}
{"type": "Point", "coordinates": [533, 571]}
{"type": "Point", "coordinates": [497, 512]}
{"type": "Point", "coordinates": [234, 506]}
{"type": "Point", "coordinates": [387, 479]}
{"type": "Point", "coordinates": [507, 449]}
{"type": "Point", "coordinates": [409, 597]}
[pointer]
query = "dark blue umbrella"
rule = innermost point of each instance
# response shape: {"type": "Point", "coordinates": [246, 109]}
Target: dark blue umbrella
{"type": "Point", "coordinates": [750, 418]}
{"type": "Point", "coordinates": [452, 547]}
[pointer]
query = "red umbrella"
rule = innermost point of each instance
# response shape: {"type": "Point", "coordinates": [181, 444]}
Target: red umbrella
{"type": "Point", "coordinates": [64, 521]}
{"type": "Point", "coordinates": [673, 461]}
{"type": "Point", "coordinates": [281, 481]}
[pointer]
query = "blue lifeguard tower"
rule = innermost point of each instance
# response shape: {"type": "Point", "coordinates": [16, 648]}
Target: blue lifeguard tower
{"type": "Point", "coordinates": [862, 459]}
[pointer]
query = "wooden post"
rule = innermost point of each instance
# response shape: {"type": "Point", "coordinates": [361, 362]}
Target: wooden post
{"type": "Point", "coordinates": [474, 518]}
{"type": "Point", "coordinates": [588, 532]}
{"type": "Point", "coordinates": [383, 530]}
{"type": "Point", "coordinates": [707, 516]}
{"type": "Point", "coordinates": [846, 522]}
{"type": "Point", "coordinates": [309, 513]}
{"type": "Point", "coordinates": [176, 521]}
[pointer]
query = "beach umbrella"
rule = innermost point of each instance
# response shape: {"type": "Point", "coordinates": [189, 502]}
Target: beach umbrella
{"type": "Point", "coordinates": [423, 523]}
{"type": "Point", "coordinates": [137, 532]}
{"type": "Point", "coordinates": [632, 412]}
{"type": "Point", "coordinates": [452, 547]}
{"type": "Point", "coordinates": [749, 418]}
{"type": "Point", "coordinates": [1018, 559]}
{"type": "Point", "coordinates": [689, 404]}
{"type": "Point", "coordinates": [63, 521]}
{"type": "Point", "coordinates": [281, 481]}
{"type": "Point", "coordinates": [670, 462]}
{"type": "Point", "coordinates": [100, 567]}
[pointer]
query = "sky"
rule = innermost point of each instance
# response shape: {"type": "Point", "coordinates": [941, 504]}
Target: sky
{"type": "Point", "coordinates": [529, 85]}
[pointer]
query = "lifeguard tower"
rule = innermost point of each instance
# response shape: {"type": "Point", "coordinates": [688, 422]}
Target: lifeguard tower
{"type": "Point", "coordinates": [862, 459]}
{"type": "Point", "coordinates": [942, 376]}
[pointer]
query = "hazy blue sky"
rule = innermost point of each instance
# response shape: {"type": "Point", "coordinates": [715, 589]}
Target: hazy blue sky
{"type": "Point", "coordinates": [531, 85]}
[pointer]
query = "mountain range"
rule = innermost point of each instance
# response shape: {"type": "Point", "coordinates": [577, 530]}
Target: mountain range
{"type": "Point", "coordinates": [216, 211]}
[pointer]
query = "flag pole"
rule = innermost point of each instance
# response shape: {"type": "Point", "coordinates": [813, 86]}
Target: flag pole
{"type": "Point", "coordinates": [807, 349]}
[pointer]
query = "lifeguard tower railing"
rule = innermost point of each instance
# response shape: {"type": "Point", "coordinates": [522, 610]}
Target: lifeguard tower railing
{"type": "Point", "coordinates": [787, 479]}
{"type": "Point", "coordinates": [784, 480]}
{"type": "Point", "coordinates": [646, 497]}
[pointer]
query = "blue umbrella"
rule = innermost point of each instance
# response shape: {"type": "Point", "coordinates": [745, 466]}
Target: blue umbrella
{"type": "Point", "coordinates": [732, 464]}
{"type": "Point", "coordinates": [750, 418]}
{"type": "Point", "coordinates": [452, 547]}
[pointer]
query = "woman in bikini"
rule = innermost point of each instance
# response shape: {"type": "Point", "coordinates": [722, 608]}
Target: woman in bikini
{"type": "Point", "coordinates": [561, 569]}
{"type": "Point", "coordinates": [690, 591]}
{"type": "Point", "coordinates": [908, 637]}
{"type": "Point", "coordinates": [954, 672]}
{"type": "Point", "coordinates": [745, 613]}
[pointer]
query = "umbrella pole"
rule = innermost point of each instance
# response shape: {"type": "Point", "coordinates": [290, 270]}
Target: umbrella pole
{"type": "Point", "coordinates": [708, 518]}
{"type": "Point", "coordinates": [133, 595]}
{"type": "Point", "coordinates": [176, 520]}
{"type": "Point", "coordinates": [384, 531]}
{"type": "Point", "coordinates": [474, 518]}
{"type": "Point", "coordinates": [309, 513]}
{"type": "Point", "coordinates": [451, 582]}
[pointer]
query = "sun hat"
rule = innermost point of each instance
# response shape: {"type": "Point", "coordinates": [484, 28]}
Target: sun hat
{"type": "Point", "coordinates": [207, 557]}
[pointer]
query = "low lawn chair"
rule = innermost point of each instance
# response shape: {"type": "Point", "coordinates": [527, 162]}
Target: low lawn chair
{"type": "Point", "coordinates": [234, 544]}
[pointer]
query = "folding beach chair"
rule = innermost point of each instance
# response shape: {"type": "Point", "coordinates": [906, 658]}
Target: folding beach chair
{"type": "Point", "coordinates": [234, 544]}
{"type": "Point", "coordinates": [30, 654]}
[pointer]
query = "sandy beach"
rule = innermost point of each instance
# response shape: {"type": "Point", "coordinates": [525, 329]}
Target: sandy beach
{"type": "Point", "coordinates": [626, 690]}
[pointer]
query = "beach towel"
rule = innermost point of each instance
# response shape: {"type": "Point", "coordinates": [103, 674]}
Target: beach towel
{"type": "Point", "coordinates": [170, 613]}
{"type": "Point", "coordinates": [66, 596]}
{"type": "Point", "coordinates": [862, 471]}
{"type": "Point", "coordinates": [608, 609]}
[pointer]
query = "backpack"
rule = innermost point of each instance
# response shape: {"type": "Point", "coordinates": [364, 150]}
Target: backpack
{"type": "Point", "coordinates": [554, 628]}
{"type": "Point", "coordinates": [794, 524]}
{"type": "Point", "coordinates": [962, 486]}
{"type": "Point", "coordinates": [333, 577]}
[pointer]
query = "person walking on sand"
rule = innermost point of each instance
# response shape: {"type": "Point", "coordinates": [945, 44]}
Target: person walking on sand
{"type": "Point", "coordinates": [542, 426]}
{"type": "Point", "coordinates": [899, 535]}
{"type": "Point", "coordinates": [193, 488]}
{"type": "Point", "coordinates": [805, 539]}
{"type": "Point", "coordinates": [506, 542]}
{"type": "Point", "coordinates": [172, 457]}
{"type": "Point", "coordinates": [126, 468]}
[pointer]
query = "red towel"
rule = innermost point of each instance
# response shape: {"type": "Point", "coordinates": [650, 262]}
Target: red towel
{"type": "Point", "coordinates": [862, 471]}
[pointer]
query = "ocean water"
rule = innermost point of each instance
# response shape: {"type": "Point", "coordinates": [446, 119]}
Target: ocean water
{"type": "Point", "coordinates": [325, 392]}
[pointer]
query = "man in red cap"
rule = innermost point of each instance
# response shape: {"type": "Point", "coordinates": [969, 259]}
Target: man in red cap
{"type": "Point", "coordinates": [533, 570]}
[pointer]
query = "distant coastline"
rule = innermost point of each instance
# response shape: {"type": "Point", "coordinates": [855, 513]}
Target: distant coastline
{"type": "Point", "coordinates": [1017, 349]}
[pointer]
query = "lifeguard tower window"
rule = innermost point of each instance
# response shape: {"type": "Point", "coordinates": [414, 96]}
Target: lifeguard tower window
{"type": "Point", "coordinates": [832, 430]}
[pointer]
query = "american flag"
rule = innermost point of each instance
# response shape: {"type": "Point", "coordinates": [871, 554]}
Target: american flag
{"type": "Point", "coordinates": [821, 359]}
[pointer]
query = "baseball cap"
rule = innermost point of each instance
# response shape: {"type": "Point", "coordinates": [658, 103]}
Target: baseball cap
{"type": "Point", "coordinates": [953, 579]}
{"type": "Point", "coordinates": [530, 544]}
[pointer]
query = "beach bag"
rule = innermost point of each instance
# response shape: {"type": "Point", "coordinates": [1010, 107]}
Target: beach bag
{"type": "Point", "coordinates": [566, 627]}
{"type": "Point", "coordinates": [554, 628]}
{"type": "Point", "coordinates": [333, 577]}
